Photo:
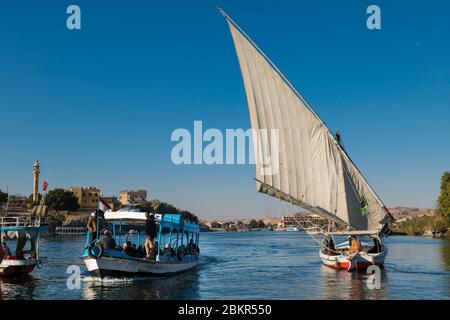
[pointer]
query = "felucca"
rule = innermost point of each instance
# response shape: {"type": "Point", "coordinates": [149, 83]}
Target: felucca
{"type": "Point", "coordinates": [314, 171]}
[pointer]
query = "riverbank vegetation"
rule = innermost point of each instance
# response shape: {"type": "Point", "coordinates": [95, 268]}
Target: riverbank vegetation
{"type": "Point", "coordinates": [161, 207]}
{"type": "Point", "coordinates": [239, 225]}
{"type": "Point", "coordinates": [434, 225]}
{"type": "Point", "coordinates": [437, 225]}
{"type": "Point", "coordinates": [61, 200]}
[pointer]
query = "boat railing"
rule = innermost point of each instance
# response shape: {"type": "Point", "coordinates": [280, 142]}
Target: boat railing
{"type": "Point", "coordinates": [20, 221]}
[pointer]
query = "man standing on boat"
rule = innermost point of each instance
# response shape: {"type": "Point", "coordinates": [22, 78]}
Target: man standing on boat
{"type": "Point", "coordinates": [95, 223]}
{"type": "Point", "coordinates": [150, 230]}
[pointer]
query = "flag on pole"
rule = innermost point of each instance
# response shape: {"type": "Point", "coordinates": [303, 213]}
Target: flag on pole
{"type": "Point", "coordinates": [103, 205]}
{"type": "Point", "coordinates": [44, 187]}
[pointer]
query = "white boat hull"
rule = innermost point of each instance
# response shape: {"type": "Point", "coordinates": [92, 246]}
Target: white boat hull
{"type": "Point", "coordinates": [118, 267]}
{"type": "Point", "coordinates": [358, 261]}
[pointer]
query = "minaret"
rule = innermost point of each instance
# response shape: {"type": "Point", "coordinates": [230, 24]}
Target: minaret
{"type": "Point", "coordinates": [36, 172]}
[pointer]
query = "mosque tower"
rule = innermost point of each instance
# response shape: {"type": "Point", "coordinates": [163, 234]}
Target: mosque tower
{"type": "Point", "coordinates": [36, 172]}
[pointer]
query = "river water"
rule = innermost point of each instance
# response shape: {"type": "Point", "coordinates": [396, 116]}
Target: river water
{"type": "Point", "coordinates": [248, 265]}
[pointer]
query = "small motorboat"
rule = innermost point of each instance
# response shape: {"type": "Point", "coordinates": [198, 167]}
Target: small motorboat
{"type": "Point", "coordinates": [176, 248]}
{"type": "Point", "coordinates": [22, 229]}
{"type": "Point", "coordinates": [313, 231]}
{"type": "Point", "coordinates": [292, 229]}
{"type": "Point", "coordinates": [340, 257]}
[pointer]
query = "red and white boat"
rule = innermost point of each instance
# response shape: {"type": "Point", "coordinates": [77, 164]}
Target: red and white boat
{"type": "Point", "coordinates": [339, 257]}
{"type": "Point", "coordinates": [21, 229]}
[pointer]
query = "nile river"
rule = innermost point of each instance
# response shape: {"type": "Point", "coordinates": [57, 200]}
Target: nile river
{"type": "Point", "coordinates": [249, 265]}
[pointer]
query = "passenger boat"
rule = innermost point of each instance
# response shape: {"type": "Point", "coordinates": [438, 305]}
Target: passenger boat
{"type": "Point", "coordinates": [292, 229]}
{"type": "Point", "coordinates": [21, 229]}
{"type": "Point", "coordinates": [298, 159]}
{"type": "Point", "coordinates": [177, 246]}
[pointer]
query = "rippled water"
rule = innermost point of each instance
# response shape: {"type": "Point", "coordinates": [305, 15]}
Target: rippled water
{"type": "Point", "coordinates": [249, 265]}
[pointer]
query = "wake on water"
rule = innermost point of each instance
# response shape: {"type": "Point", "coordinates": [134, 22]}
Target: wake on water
{"type": "Point", "coordinates": [86, 278]}
{"type": "Point", "coordinates": [393, 267]}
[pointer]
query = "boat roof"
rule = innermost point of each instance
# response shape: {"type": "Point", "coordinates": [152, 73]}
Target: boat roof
{"type": "Point", "coordinates": [167, 220]}
{"type": "Point", "coordinates": [354, 233]}
{"type": "Point", "coordinates": [127, 215]}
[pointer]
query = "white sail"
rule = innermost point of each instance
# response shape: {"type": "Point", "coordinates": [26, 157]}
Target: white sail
{"type": "Point", "coordinates": [314, 171]}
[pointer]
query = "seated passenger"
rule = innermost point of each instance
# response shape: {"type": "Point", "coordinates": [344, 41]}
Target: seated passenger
{"type": "Point", "coordinates": [2, 253]}
{"type": "Point", "coordinates": [140, 252]}
{"type": "Point", "coordinates": [134, 252]}
{"type": "Point", "coordinates": [166, 249]}
{"type": "Point", "coordinates": [128, 249]}
{"type": "Point", "coordinates": [329, 247]}
{"type": "Point", "coordinates": [108, 242]}
{"type": "Point", "coordinates": [355, 246]}
{"type": "Point", "coordinates": [7, 250]}
{"type": "Point", "coordinates": [154, 251]}
{"type": "Point", "coordinates": [190, 247]}
{"type": "Point", "coordinates": [195, 250]}
{"type": "Point", "coordinates": [181, 250]}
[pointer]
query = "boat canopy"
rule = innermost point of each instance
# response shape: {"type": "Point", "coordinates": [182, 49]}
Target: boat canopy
{"type": "Point", "coordinates": [176, 221]}
{"type": "Point", "coordinates": [116, 216]}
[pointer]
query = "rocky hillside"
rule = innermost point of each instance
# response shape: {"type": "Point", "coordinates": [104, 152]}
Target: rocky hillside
{"type": "Point", "coordinates": [405, 213]}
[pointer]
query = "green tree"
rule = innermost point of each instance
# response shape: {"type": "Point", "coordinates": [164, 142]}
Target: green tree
{"type": "Point", "coordinates": [444, 197]}
{"type": "Point", "coordinates": [160, 207]}
{"type": "Point", "coordinates": [226, 225]}
{"type": "Point", "coordinates": [215, 225]}
{"type": "Point", "coordinates": [253, 224]}
{"type": "Point", "coordinates": [189, 216]}
{"type": "Point", "coordinates": [54, 220]}
{"type": "Point", "coordinates": [146, 206]}
{"type": "Point", "coordinates": [61, 200]}
{"type": "Point", "coordinates": [3, 197]}
{"type": "Point", "coordinates": [261, 224]}
{"type": "Point", "coordinates": [31, 203]}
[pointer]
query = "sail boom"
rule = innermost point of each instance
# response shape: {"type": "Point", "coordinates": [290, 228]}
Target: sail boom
{"type": "Point", "coordinates": [271, 191]}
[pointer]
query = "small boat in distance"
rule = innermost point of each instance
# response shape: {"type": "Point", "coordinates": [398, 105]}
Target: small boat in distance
{"type": "Point", "coordinates": [292, 229]}
{"type": "Point", "coordinates": [312, 231]}
{"type": "Point", "coordinates": [299, 160]}
{"type": "Point", "coordinates": [177, 246]}
{"type": "Point", "coordinates": [20, 229]}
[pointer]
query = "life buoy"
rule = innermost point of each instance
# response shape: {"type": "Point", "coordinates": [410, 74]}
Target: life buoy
{"type": "Point", "coordinates": [91, 252]}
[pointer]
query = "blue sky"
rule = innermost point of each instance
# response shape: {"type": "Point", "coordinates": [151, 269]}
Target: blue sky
{"type": "Point", "coordinates": [97, 106]}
